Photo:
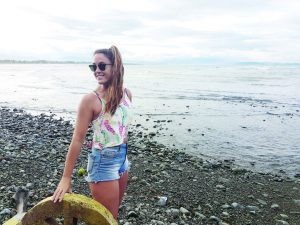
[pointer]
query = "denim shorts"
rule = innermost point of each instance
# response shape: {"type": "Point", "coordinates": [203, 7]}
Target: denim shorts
{"type": "Point", "coordinates": [107, 164]}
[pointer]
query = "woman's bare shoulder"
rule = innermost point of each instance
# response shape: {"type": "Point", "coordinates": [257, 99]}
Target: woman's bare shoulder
{"type": "Point", "coordinates": [129, 94]}
{"type": "Point", "coordinates": [88, 99]}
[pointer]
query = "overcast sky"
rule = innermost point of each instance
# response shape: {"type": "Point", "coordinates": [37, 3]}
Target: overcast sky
{"type": "Point", "coordinates": [176, 31]}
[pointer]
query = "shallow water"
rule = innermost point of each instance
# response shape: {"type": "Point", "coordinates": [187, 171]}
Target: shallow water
{"type": "Point", "coordinates": [247, 113]}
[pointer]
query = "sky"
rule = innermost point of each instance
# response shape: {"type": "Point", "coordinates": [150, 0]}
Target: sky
{"type": "Point", "coordinates": [164, 31]}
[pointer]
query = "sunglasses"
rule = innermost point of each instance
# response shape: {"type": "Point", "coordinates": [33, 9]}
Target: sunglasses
{"type": "Point", "coordinates": [101, 66]}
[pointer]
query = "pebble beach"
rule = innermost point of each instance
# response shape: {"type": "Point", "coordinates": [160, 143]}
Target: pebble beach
{"type": "Point", "coordinates": [166, 185]}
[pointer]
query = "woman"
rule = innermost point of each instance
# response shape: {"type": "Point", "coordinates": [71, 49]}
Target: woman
{"type": "Point", "coordinates": [108, 108]}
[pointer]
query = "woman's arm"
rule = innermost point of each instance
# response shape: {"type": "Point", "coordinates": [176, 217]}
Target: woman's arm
{"type": "Point", "coordinates": [84, 117]}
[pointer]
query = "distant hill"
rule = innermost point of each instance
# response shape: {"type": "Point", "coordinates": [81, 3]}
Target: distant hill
{"type": "Point", "coordinates": [6, 61]}
{"type": "Point", "coordinates": [39, 62]}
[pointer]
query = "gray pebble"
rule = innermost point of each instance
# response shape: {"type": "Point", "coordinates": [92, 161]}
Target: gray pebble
{"type": "Point", "coordinates": [29, 185]}
{"type": "Point", "coordinates": [237, 205]}
{"type": "Point", "coordinates": [214, 219]}
{"type": "Point", "coordinates": [163, 200]}
{"type": "Point", "coordinates": [283, 216]}
{"type": "Point", "coordinates": [225, 206]}
{"type": "Point", "coordinates": [132, 214]}
{"type": "Point", "coordinates": [223, 180]}
{"type": "Point", "coordinates": [223, 223]}
{"type": "Point", "coordinates": [252, 208]}
{"type": "Point", "coordinates": [200, 215]}
{"type": "Point", "coordinates": [5, 211]}
{"type": "Point", "coordinates": [225, 214]}
{"type": "Point", "coordinates": [184, 211]}
{"type": "Point", "coordinates": [220, 186]}
{"type": "Point", "coordinates": [209, 206]}
{"type": "Point", "coordinates": [275, 206]}
{"type": "Point", "coordinates": [173, 212]}
{"type": "Point", "coordinates": [281, 222]}
{"type": "Point", "coordinates": [297, 202]}
{"type": "Point", "coordinates": [262, 202]}
{"type": "Point", "coordinates": [251, 196]}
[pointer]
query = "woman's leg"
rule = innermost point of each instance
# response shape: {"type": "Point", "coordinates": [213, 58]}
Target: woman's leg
{"type": "Point", "coordinates": [107, 193]}
{"type": "Point", "coordinates": [122, 185]}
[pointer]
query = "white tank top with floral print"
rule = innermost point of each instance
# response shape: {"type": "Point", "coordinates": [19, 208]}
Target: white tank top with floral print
{"type": "Point", "coordinates": [111, 130]}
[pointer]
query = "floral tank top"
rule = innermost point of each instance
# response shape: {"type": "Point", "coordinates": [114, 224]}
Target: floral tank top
{"type": "Point", "coordinates": [111, 130]}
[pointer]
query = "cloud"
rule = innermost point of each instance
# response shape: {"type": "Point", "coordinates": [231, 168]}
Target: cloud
{"type": "Point", "coordinates": [150, 31]}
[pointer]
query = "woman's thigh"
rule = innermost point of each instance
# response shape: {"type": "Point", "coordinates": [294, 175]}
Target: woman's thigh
{"type": "Point", "coordinates": [107, 193]}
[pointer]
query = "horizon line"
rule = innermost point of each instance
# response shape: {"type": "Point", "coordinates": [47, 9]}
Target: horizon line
{"type": "Point", "coordinates": [42, 61]}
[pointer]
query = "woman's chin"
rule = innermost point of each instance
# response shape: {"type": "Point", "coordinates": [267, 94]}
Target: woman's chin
{"type": "Point", "coordinates": [101, 81]}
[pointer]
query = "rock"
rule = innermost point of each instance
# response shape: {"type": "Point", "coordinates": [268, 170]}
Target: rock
{"type": "Point", "coordinates": [235, 205]}
{"type": "Point", "coordinates": [29, 185]}
{"type": "Point", "coordinates": [162, 201]}
{"type": "Point", "coordinates": [278, 179]}
{"type": "Point", "coordinates": [134, 178]}
{"type": "Point", "coordinates": [275, 206]}
{"type": "Point", "coordinates": [297, 201]}
{"type": "Point", "coordinates": [132, 214]}
{"type": "Point", "coordinates": [281, 222]}
{"type": "Point", "coordinates": [226, 206]}
{"type": "Point", "coordinates": [262, 202]}
{"type": "Point", "coordinates": [251, 196]}
{"type": "Point", "coordinates": [53, 151]}
{"type": "Point", "coordinates": [12, 188]}
{"type": "Point", "coordinates": [239, 170]}
{"type": "Point", "coordinates": [152, 134]}
{"type": "Point", "coordinates": [223, 180]}
{"type": "Point", "coordinates": [225, 214]}
{"type": "Point", "coordinates": [200, 215]}
{"type": "Point", "coordinates": [220, 186]}
{"type": "Point", "coordinates": [6, 211]}
{"type": "Point", "coordinates": [157, 222]}
{"type": "Point", "coordinates": [184, 211]}
{"type": "Point", "coordinates": [173, 212]}
{"type": "Point", "coordinates": [297, 175]}
{"type": "Point", "coordinates": [252, 208]}
{"type": "Point", "coordinates": [283, 216]}
{"type": "Point", "coordinates": [214, 219]}
{"type": "Point", "coordinates": [208, 206]}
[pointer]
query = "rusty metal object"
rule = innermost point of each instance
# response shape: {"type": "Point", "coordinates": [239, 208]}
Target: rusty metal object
{"type": "Point", "coordinates": [74, 207]}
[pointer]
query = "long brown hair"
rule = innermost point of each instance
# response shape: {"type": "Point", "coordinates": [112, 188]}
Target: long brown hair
{"type": "Point", "coordinates": [114, 91]}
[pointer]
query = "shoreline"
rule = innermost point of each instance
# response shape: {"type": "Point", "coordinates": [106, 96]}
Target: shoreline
{"type": "Point", "coordinates": [198, 191]}
{"type": "Point", "coordinates": [163, 129]}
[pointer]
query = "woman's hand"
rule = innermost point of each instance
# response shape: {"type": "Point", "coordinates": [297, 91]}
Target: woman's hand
{"type": "Point", "coordinates": [63, 187]}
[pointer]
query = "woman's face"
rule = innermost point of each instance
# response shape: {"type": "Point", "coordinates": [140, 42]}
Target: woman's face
{"type": "Point", "coordinates": [102, 76]}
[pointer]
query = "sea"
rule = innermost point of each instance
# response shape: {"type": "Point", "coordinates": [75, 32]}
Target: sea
{"type": "Point", "coordinates": [246, 113]}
